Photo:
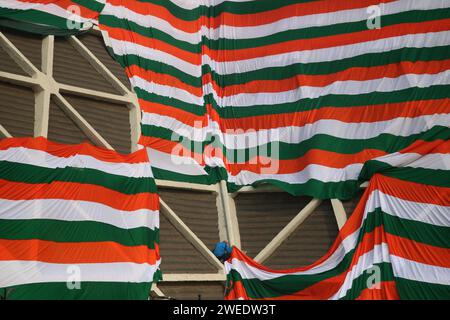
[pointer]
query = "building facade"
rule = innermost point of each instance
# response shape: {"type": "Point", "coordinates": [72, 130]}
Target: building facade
{"type": "Point", "coordinates": [71, 90]}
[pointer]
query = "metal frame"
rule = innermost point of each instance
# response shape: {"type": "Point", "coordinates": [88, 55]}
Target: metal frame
{"type": "Point", "coordinates": [45, 87]}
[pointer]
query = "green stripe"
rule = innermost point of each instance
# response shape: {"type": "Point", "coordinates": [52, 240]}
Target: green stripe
{"type": "Point", "coordinates": [77, 231]}
{"type": "Point", "coordinates": [223, 44]}
{"type": "Point", "coordinates": [26, 173]}
{"type": "Point", "coordinates": [87, 291]}
{"type": "Point", "coordinates": [434, 177]}
{"type": "Point", "coordinates": [289, 71]}
{"type": "Point", "coordinates": [416, 290]}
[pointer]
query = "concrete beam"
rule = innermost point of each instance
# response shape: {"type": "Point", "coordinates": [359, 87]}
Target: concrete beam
{"type": "Point", "coordinates": [19, 79]}
{"type": "Point", "coordinates": [229, 215]}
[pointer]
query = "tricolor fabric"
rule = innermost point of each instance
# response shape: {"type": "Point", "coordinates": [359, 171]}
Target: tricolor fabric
{"type": "Point", "coordinates": [76, 222]}
{"type": "Point", "coordinates": [295, 93]}
{"type": "Point", "coordinates": [395, 245]}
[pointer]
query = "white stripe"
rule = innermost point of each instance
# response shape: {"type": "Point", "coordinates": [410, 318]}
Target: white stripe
{"type": "Point", "coordinates": [166, 91]}
{"type": "Point", "coordinates": [348, 87]}
{"type": "Point", "coordinates": [411, 210]}
{"type": "Point", "coordinates": [413, 270]}
{"type": "Point", "coordinates": [13, 273]}
{"type": "Point", "coordinates": [422, 40]}
{"type": "Point", "coordinates": [236, 139]}
{"type": "Point", "coordinates": [71, 210]}
{"type": "Point", "coordinates": [435, 161]}
{"type": "Point", "coordinates": [175, 163]}
{"type": "Point", "coordinates": [251, 32]}
{"type": "Point", "coordinates": [43, 159]}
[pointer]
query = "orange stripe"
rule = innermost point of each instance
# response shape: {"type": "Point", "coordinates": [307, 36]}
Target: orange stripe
{"type": "Point", "coordinates": [75, 252]}
{"type": "Point", "coordinates": [253, 19]}
{"type": "Point", "coordinates": [237, 292]}
{"type": "Point", "coordinates": [387, 290]}
{"type": "Point", "coordinates": [428, 147]}
{"type": "Point", "coordinates": [319, 291]}
{"type": "Point", "coordinates": [65, 151]}
{"type": "Point", "coordinates": [78, 191]}
{"type": "Point", "coordinates": [279, 48]}
{"type": "Point", "coordinates": [411, 191]}
{"type": "Point", "coordinates": [419, 252]}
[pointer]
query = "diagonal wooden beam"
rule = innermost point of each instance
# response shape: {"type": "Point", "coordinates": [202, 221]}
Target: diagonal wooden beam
{"type": "Point", "coordinates": [188, 234]}
{"type": "Point", "coordinates": [339, 212]}
{"type": "Point", "coordinates": [5, 132]}
{"type": "Point", "coordinates": [98, 65]}
{"type": "Point", "coordinates": [18, 56]}
{"type": "Point", "coordinates": [81, 122]}
{"type": "Point", "coordinates": [270, 248]}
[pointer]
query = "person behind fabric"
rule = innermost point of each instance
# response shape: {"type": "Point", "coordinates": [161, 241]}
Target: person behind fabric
{"type": "Point", "coordinates": [222, 251]}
